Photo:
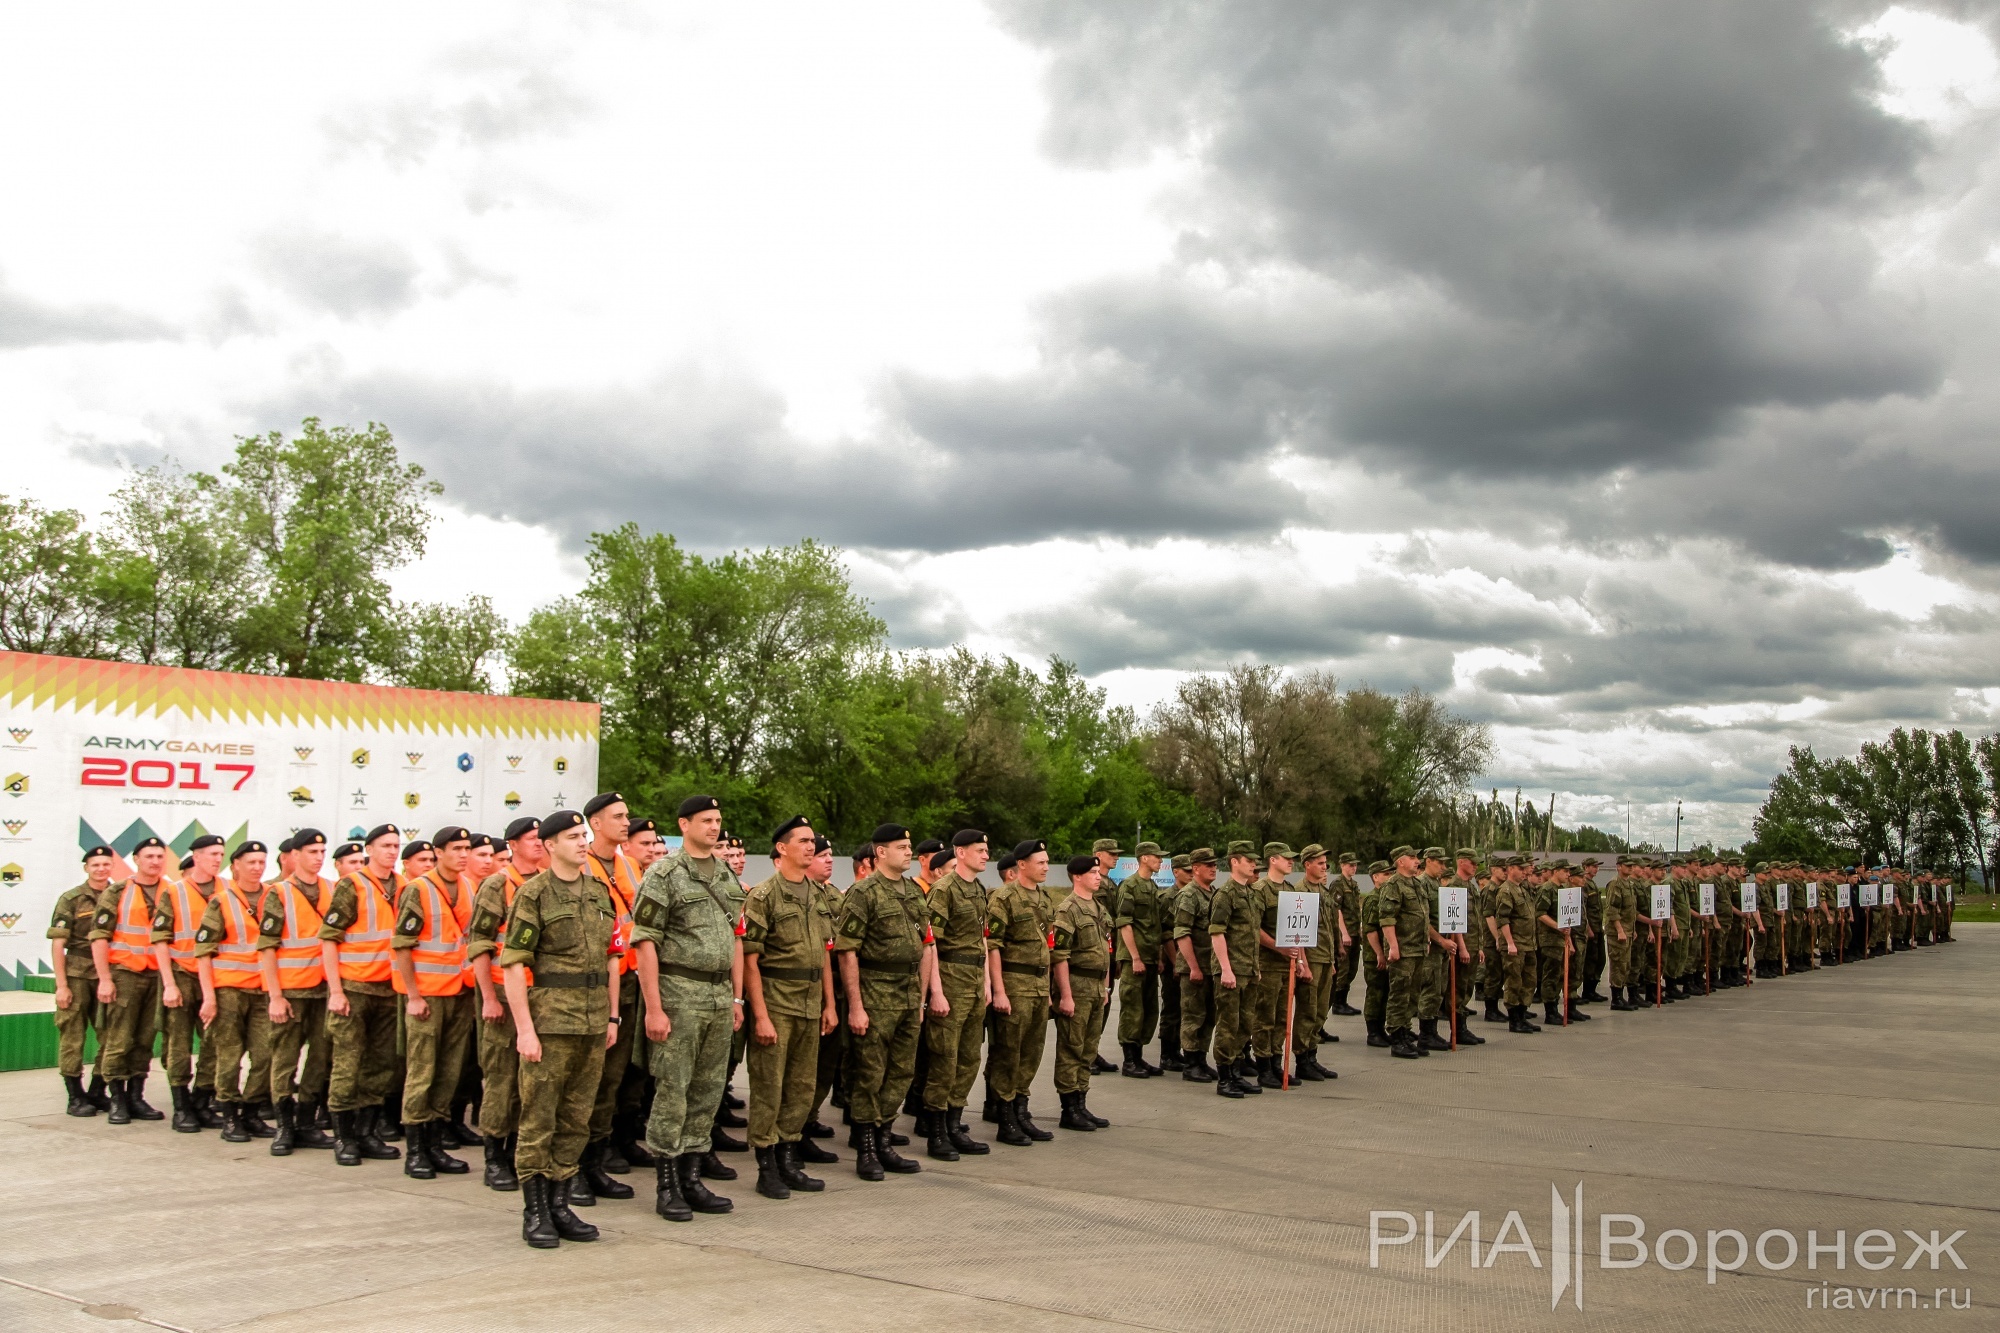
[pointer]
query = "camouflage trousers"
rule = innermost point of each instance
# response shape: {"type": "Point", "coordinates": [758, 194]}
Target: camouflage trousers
{"type": "Point", "coordinates": [1267, 1004]}
{"type": "Point", "coordinates": [84, 1015]}
{"type": "Point", "coordinates": [557, 1092]}
{"type": "Point", "coordinates": [499, 1076]}
{"type": "Point", "coordinates": [1019, 1038]}
{"type": "Point", "coordinates": [1077, 1033]}
{"type": "Point", "coordinates": [1406, 983]}
{"type": "Point", "coordinates": [304, 1033]}
{"type": "Point", "coordinates": [127, 1024]}
{"type": "Point", "coordinates": [241, 1030]}
{"type": "Point", "coordinates": [1138, 1003]}
{"type": "Point", "coordinates": [362, 1051]}
{"type": "Point", "coordinates": [1233, 1017]}
{"type": "Point", "coordinates": [1170, 1005]}
{"type": "Point", "coordinates": [1375, 994]}
{"type": "Point", "coordinates": [616, 1060]}
{"type": "Point", "coordinates": [1311, 1003]}
{"type": "Point", "coordinates": [1621, 961]}
{"type": "Point", "coordinates": [689, 1069]}
{"type": "Point", "coordinates": [782, 1079]}
{"type": "Point", "coordinates": [884, 1060]}
{"type": "Point", "coordinates": [952, 1040]}
{"type": "Point", "coordinates": [434, 1053]}
{"type": "Point", "coordinates": [1197, 1026]}
{"type": "Point", "coordinates": [187, 1055]}
{"type": "Point", "coordinates": [1550, 966]}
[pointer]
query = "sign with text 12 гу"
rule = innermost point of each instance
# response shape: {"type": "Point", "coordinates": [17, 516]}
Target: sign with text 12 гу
{"type": "Point", "coordinates": [1298, 920]}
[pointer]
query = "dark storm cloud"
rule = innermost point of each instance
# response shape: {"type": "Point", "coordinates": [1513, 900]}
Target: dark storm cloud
{"type": "Point", "coordinates": [27, 322]}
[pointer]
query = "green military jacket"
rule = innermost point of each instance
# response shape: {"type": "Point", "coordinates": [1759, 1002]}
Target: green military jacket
{"type": "Point", "coordinates": [489, 917]}
{"type": "Point", "coordinates": [1545, 906]}
{"type": "Point", "coordinates": [1083, 940]}
{"type": "Point", "coordinates": [562, 931]}
{"type": "Point", "coordinates": [1142, 907]}
{"type": "Point", "coordinates": [1514, 908]}
{"type": "Point", "coordinates": [788, 927]}
{"type": "Point", "coordinates": [1621, 906]}
{"type": "Point", "coordinates": [1404, 906]}
{"type": "Point", "coordinates": [885, 924]}
{"type": "Point", "coordinates": [1684, 894]}
{"type": "Point", "coordinates": [1371, 923]}
{"type": "Point", "coordinates": [1191, 909]}
{"type": "Point", "coordinates": [1234, 913]}
{"type": "Point", "coordinates": [1266, 891]}
{"type": "Point", "coordinates": [1322, 950]}
{"type": "Point", "coordinates": [688, 909]}
{"type": "Point", "coordinates": [1593, 904]}
{"type": "Point", "coordinates": [958, 924]}
{"type": "Point", "coordinates": [1348, 893]}
{"type": "Point", "coordinates": [71, 923]}
{"type": "Point", "coordinates": [1019, 921]}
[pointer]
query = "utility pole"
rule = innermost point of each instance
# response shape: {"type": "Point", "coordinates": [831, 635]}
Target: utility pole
{"type": "Point", "coordinates": [1677, 827]}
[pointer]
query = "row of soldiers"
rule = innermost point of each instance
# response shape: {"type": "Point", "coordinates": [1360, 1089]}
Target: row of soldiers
{"type": "Point", "coordinates": [587, 995]}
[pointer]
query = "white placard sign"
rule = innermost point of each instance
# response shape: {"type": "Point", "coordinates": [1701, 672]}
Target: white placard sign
{"type": "Point", "coordinates": [1947, 893]}
{"type": "Point", "coordinates": [1843, 896]}
{"type": "Point", "coordinates": [1812, 897]}
{"type": "Point", "coordinates": [1871, 895]}
{"type": "Point", "coordinates": [1452, 909]}
{"type": "Point", "coordinates": [1569, 907]}
{"type": "Point", "coordinates": [1663, 902]}
{"type": "Point", "coordinates": [1784, 897]}
{"type": "Point", "coordinates": [1298, 920]}
{"type": "Point", "coordinates": [1707, 907]}
{"type": "Point", "coordinates": [1749, 896]}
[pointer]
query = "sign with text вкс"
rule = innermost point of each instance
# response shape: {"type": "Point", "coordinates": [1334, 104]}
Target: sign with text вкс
{"type": "Point", "coordinates": [1452, 910]}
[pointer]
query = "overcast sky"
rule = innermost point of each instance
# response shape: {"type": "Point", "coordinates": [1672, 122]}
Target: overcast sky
{"type": "Point", "coordinates": [1623, 372]}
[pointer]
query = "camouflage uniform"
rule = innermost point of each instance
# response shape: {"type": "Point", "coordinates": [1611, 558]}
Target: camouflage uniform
{"type": "Point", "coordinates": [1233, 914]}
{"type": "Point", "coordinates": [499, 1059]}
{"type": "Point", "coordinates": [361, 1042]}
{"type": "Point", "coordinates": [562, 932]}
{"type": "Point", "coordinates": [1083, 940]}
{"type": "Point", "coordinates": [1191, 909]}
{"type": "Point", "coordinates": [958, 925]}
{"type": "Point", "coordinates": [1018, 918]}
{"type": "Point", "coordinates": [687, 910]}
{"type": "Point", "coordinates": [126, 1025]}
{"type": "Point", "coordinates": [788, 928]}
{"type": "Point", "coordinates": [885, 924]}
{"type": "Point", "coordinates": [71, 922]}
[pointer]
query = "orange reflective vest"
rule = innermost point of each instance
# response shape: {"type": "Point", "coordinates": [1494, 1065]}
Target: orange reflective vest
{"type": "Point", "coordinates": [235, 958]}
{"type": "Point", "coordinates": [299, 964]}
{"type": "Point", "coordinates": [188, 904]}
{"type": "Point", "coordinates": [507, 892]}
{"type": "Point", "coordinates": [623, 882]}
{"type": "Point", "coordinates": [132, 933]}
{"type": "Point", "coordinates": [364, 950]}
{"type": "Point", "coordinates": [439, 955]}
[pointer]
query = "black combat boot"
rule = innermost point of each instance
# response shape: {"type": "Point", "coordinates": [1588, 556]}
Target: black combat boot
{"type": "Point", "coordinates": [885, 1152]}
{"type": "Point", "coordinates": [1227, 1086]}
{"type": "Point", "coordinates": [121, 1110]}
{"type": "Point", "coordinates": [1403, 1044]}
{"type": "Point", "coordinates": [1267, 1072]}
{"type": "Point", "coordinates": [417, 1163]}
{"type": "Point", "coordinates": [1577, 1015]}
{"type": "Point", "coordinates": [99, 1092]}
{"type": "Point", "coordinates": [538, 1228]}
{"type": "Point", "coordinates": [961, 1138]}
{"type": "Point", "coordinates": [1011, 1132]}
{"type": "Point", "coordinates": [721, 1142]}
{"type": "Point", "coordinates": [1100, 1065]}
{"type": "Point", "coordinates": [769, 1183]}
{"type": "Point", "coordinates": [696, 1191]}
{"type": "Point", "coordinates": [367, 1126]}
{"type": "Point", "coordinates": [254, 1123]}
{"type": "Point", "coordinates": [306, 1131]}
{"type": "Point", "coordinates": [668, 1200]}
{"type": "Point", "coordinates": [1308, 1068]}
{"type": "Point", "coordinates": [135, 1100]}
{"type": "Point", "coordinates": [185, 1120]}
{"type": "Point", "coordinates": [1083, 1105]}
{"type": "Point", "coordinates": [815, 1130]}
{"type": "Point", "coordinates": [204, 1107]}
{"type": "Point", "coordinates": [1197, 1068]}
{"type": "Point", "coordinates": [80, 1104]}
{"type": "Point", "coordinates": [1341, 1006]}
{"type": "Point", "coordinates": [1134, 1066]}
{"type": "Point", "coordinates": [628, 1132]}
{"type": "Point", "coordinates": [568, 1225]}
{"type": "Point", "coordinates": [991, 1112]}
{"type": "Point", "coordinates": [1517, 1019]}
{"type": "Point", "coordinates": [810, 1151]}
{"type": "Point", "coordinates": [728, 1117]}
{"type": "Point", "coordinates": [499, 1165]}
{"type": "Point", "coordinates": [713, 1167]}
{"type": "Point", "coordinates": [1027, 1121]}
{"type": "Point", "coordinates": [867, 1164]}
{"type": "Point", "coordinates": [1378, 1033]}
{"type": "Point", "coordinates": [792, 1173]}
{"type": "Point", "coordinates": [1072, 1114]}
{"type": "Point", "coordinates": [1428, 1036]}
{"type": "Point", "coordinates": [1466, 1036]}
{"type": "Point", "coordinates": [288, 1128]}
{"type": "Point", "coordinates": [1618, 1004]}
{"type": "Point", "coordinates": [232, 1123]}
{"type": "Point", "coordinates": [1492, 1014]}
{"type": "Point", "coordinates": [1171, 1059]}
{"type": "Point", "coordinates": [590, 1165]}
{"type": "Point", "coordinates": [1550, 1018]}
{"type": "Point", "coordinates": [346, 1140]}
{"type": "Point", "coordinates": [442, 1162]}
{"type": "Point", "coordinates": [937, 1139]}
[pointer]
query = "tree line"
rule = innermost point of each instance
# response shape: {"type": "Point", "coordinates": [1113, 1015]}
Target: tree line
{"type": "Point", "coordinates": [761, 676]}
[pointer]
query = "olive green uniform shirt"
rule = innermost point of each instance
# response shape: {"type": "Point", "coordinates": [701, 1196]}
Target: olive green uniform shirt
{"type": "Point", "coordinates": [71, 923]}
{"type": "Point", "coordinates": [1322, 949]}
{"type": "Point", "coordinates": [1141, 906]}
{"type": "Point", "coordinates": [687, 907]}
{"type": "Point", "coordinates": [787, 927]}
{"type": "Point", "coordinates": [561, 930]}
{"type": "Point", "coordinates": [489, 916]}
{"type": "Point", "coordinates": [1083, 939]}
{"type": "Point", "coordinates": [1234, 913]}
{"type": "Point", "coordinates": [885, 923]}
{"type": "Point", "coordinates": [1191, 909]}
{"type": "Point", "coordinates": [1404, 906]}
{"type": "Point", "coordinates": [958, 919]}
{"type": "Point", "coordinates": [1018, 922]}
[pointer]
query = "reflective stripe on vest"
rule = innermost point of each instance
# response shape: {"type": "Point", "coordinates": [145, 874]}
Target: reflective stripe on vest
{"type": "Point", "coordinates": [439, 955]}
{"type": "Point", "coordinates": [235, 958]}
{"type": "Point", "coordinates": [132, 936]}
{"type": "Point", "coordinates": [507, 892]}
{"type": "Point", "coordinates": [299, 964]}
{"type": "Point", "coordinates": [189, 903]}
{"type": "Point", "coordinates": [364, 951]}
{"type": "Point", "coordinates": [623, 882]}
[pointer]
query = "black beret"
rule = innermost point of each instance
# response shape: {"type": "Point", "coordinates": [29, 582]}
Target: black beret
{"type": "Point", "coordinates": [1079, 865]}
{"type": "Point", "coordinates": [562, 821]}
{"type": "Point", "coordinates": [287, 847]}
{"type": "Point", "coordinates": [939, 860]}
{"type": "Point", "coordinates": [247, 847]}
{"type": "Point", "coordinates": [306, 837]}
{"type": "Point", "coordinates": [1024, 850]}
{"type": "Point", "coordinates": [346, 849]}
{"type": "Point", "coordinates": [638, 826]}
{"type": "Point", "coordinates": [449, 834]}
{"type": "Point", "coordinates": [694, 805]}
{"type": "Point", "coordinates": [889, 833]}
{"type": "Point", "coordinates": [865, 852]}
{"type": "Point", "coordinates": [821, 843]}
{"type": "Point", "coordinates": [206, 840]}
{"type": "Point", "coordinates": [927, 846]}
{"type": "Point", "coordinates": [522, 827]}
{"type": "Point", "coordinates": [415, 845]}
{"type": "Point", "coordinates": [967, 837]}
{"type": "Point", "coordinates": [789, 826]}
{"type": "Point", "coordinates": [484, 840]}
{"type": "Point", "coordinates": [1005, 864]}
{"type": "Point", "coordinates": [99, 850]}
{"type": "Point", "coordinates": [145, 842]}
{"type": "Point", "coordinates": [382, 831]}
{"type": "Point", "coordinates": [601, 801]}
{"type": "Point", "coordinates": [187, 863]}
{"type": "Point", "coordinates": [729, 839]}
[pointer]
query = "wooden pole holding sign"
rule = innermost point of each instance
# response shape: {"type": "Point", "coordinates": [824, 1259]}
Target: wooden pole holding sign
{"type": "Point", "coordinates": [1298, 928]}
{"type": "Point", "coordinates": [1285, 1060]}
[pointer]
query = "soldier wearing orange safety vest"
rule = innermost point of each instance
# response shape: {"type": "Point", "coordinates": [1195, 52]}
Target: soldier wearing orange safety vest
{"type": "Point", "coordinates": [288, 939]}
{"type": "Point", "coordinates": [433, 976]}
{"type": "Point", "coordinates": [610, 822]}
{"type": "Point", "coordinates": [235, 1001]}
{"type": "Point", "coordinates": [499, 1062]}
{"type": "Point", "coordinates": [121, 942]}
{"type": "Point", "coordinates": [177, 915]}
{"type": "Point", "coordinates": [361, 1003]}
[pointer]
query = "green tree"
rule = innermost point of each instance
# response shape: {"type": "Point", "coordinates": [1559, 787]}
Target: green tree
{"type": "Point", "coordinates": [441, 646]}
{"type": "Point", "coordinates": [49, 593]}
{"type": "Point", "coordinates": [327, 514]}
{"type": "Point", "coordinates": [175, 577]}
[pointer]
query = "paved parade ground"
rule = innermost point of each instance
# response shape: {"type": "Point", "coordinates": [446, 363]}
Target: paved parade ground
{"type": "Point", "coordinates": [1857, 1098]}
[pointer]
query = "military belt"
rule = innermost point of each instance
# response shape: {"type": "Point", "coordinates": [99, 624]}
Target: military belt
{"type": "Point", "coordinates": [1029, 968]}
{"type": "Point", "coordinates": [961, 956]}
{"type": "Point", "coordinates": [789, 973]}
{"type": "Point", "coordinates": [570, 980]}
{"type": "Point", "coordinates": [1079, 972]}
{"type": "Point", "coordinates": [690, 974]}
{"type": "Point", "coordinates": [890, 969]}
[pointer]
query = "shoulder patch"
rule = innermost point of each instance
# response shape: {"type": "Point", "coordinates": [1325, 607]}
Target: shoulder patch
{"type": "Point", "coordinates": [272, 924]}
{"type": "Point", "coordinates": [650, 911]}
{"type": "Point", "coordinates": [336, 918]}
{"type": "Point", "coordinates": [163, 919]}
{"type": "Point", "coordinates": [107, 917]}
{"type": "Point", "coordinates": [411, 924]}
{"type": "Point", "coordinates": [522, 936]}
{"type": "Point", "coordinates": [484, 921]}
{"type": "Point", "coordinates": [203, 935]}
{"type": "Point", "coordinates": [61, 922]}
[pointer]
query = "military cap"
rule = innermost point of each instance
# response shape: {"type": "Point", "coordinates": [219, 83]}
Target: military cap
{"type": "Point", "coordinates": [287, 847]}
{"type": "Point", "coordinates": [695, 805]}
{"type": "Point", "coordinates": [479, 840]}
{"type": "Point", "coordinates": [1025, 849]}
{"type": "Point", "coordinates": [928, 846]}
{"type": "Point", "coordinates": [1181, 861]}
{"type": "Point", "coordinates": [187, 864]}
{"type": "Point", "coordinates": [638, 826]}
{"type": "Point", "coordinates": [729, 839]}
{"type": "Point", "coordinates": [562, 821]}
{"type": "Point", "coordinates": [1310, 852]}
{"type": "Point", "coordinates": [415, 845]}
{"type": "Point", "coordinates": [1592, 861]}
{"type": "Point", "coordinates": [967, 837]}
{"type": "Point", "coordinates": [821, 843]}
{"type": "Point", "coordinates": [1398, 853]}
{"type": "Point", "coordinates": [1763, 866]}
{"type": "Point", "coordinates": [603, 800]}
{"type": "Point", "coordinates": [347, 849]}
{"type": "Point", "coordinates": [1433, 853]}
{"type": "Point", "coordinates": [383, 831]}
{"type": "Point", "coordinates": [1242, 847]}
{"type": "Point", "coordinates": [1201, 856]}
{"type": "Point", "coordinates": [206, 840]}
{"type": "Point", "coordinates": [522, 827]}
{"type": "Point", "coordinates": [246, 847]}
{"type": "Point", "coordinates": [865, 852]}
{"type": "Point", "coordinates": [148, 841]}
{"type": "Point", "coordinates": [1283, 849]}
{"type": "Point", "coordinates": [939, 860]}
{"type": "Point", "coordinates": [1107, 845]}
{"type": "Point", "coordinates": [1349, 859]}
{"type": "Point", "coordinates": [307, 837]}
{"type": "Point", "coordinates": [789, 827]}
{"type": "Point", "coordinates": [1006, 863]}
{"type": "Point", "coordinates": [1148, 849]}
{"type": "Point", "coordinates": [1378, 867]}
{"type": "Point", "coordinates": [1083, 865]}
{"type": "Point", "coordinates": [1468, 853]}
{"type": "Point", "coordinates": [449, 834]}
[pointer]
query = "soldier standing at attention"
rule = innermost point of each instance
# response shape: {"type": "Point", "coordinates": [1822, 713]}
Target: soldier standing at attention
{"type": "Point", "coordinates": [1172, 970]}
{"type": "Point", "coordinates": [1195, 964]}
{"type": "Point", "coordinates": [179, 908]}
{"type": "Point", "coordinates": [1493, 967]}
{"type": "Point", "coordinates": [1459, 1006]}
{"type": "Point", "coordinates": [562, 927]}
{"type": "Point", "coordinates": [684, 931]}
{"type": "Point", "coordinates": [1267, 997]}
{"type": "Point", "coordinates": [80, 980]}
{"type": "Point", "coordinates": [1593, 942]}
{"type": "Point", "coordinates": [295, 980]}
{"type": "Point", "coordinates": [361, 1000]}
{"type": "Point", "coordinates": [235, 1013]}
{"type": "Point", "coordinates": [1621, 920]}
{"type": "Point", "coordinates": [788, 991]}
{"type": "Point", "coordinates": [1105, 851]}
{"type": "Point", "coordinates": [428, 953]}
{"type": "Point", "coordinates": [1079, 967]}
{"type": "Point", "coordinates": [497, 1048]}
{"type": "Point", "coordinates": [1019, 923]}
{"type": "Point", "coordinates": [958, 928]}
{"type": "Point", "coordinates": [832, 1045]}
{"type": "Point", "coordinates": [121, 945]}
{"type": "Point", "coordinates": [1234, 914]}
{"type": "Point", "coordinates": [1556, 944]}
{"type": "Point", "coordinates": [1406, 927]}
{"type": "Point", "coordinates": [1139, 920]}
{"type": "Point", "coordinates": [884, 947]}
{"type": "Point", "coordinates": [1348, 891]}
{"type": "Point", "coordinates": [609, 822]}
{"type": "Point", "coordinates": [1315, 992]}
{"type": "Point", "coordinates": [1514, 919]}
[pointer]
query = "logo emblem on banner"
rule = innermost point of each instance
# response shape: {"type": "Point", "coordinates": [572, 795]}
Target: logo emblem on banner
{"type": "Point", "coordinates": [300, 795]}
{"type": "Point", "coordinates": [513, 761]}
{"type": "Point", "coordinates": [562, 764]}
{"type": "Point", "coordinates": [20, 734]}
{"type": "Point", "coordinates": [10, 874]}
{"type": "Point", "coordinates": [304, 752]}
{"type": "Point", "coordinates": [8, 920]}
{"type": "Point", "coordinates": [14, 826]}
{"type": "Point", "coordinates": [411, 799]}
{"type": "Point", "coordinates": [512, 800]}
{"type": "Point", "coordinates": [465, 763]}
{"type": "Point", "coordinates": [415, 757]}
{"type": "Point", "coordinates": [16, 784]}
{"type": "Point", "coordinates": [359, 759]}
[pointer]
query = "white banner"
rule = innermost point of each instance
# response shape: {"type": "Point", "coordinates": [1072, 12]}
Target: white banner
{"type": "Point", "coordinates": [1569, 907]}
{"type": "Point", "coordinates": [1663, 902]}
{"type": "Point", "coordinates": [106, 752]}
{"type": "Point", "coordinates": [1749, 896]}
{"type": "Point", "coordinates": [1452, 909]}
{"type": "Point", "coordinates": [1707, 905]}
{"type": "Point", "coordinates": [1298, 920]}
